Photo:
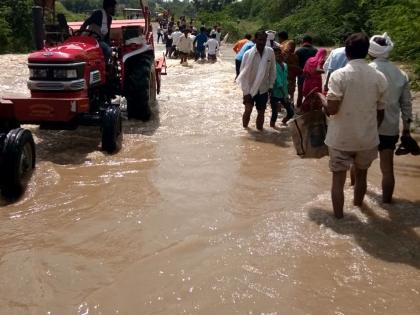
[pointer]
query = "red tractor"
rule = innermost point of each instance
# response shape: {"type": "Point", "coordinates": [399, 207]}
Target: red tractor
{"type": "Point", "coordinates": [71, 85]}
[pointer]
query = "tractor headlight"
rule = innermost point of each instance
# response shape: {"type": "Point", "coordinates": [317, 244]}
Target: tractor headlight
{"type": "Point", "coordinates": [38, 73]}
{"type": "Point", "coordinates": [65, 74]}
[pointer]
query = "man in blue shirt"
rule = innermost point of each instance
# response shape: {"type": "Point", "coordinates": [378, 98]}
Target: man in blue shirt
{"type": "Point", "coordinates": [199, 41]}
{"type": "Point", "coordinates": [240, 55]}
{"type": "Point", "coordinates": [336, 60]}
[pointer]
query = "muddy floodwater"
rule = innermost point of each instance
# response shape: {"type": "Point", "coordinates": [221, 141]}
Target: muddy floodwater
{"type": "Point", "coordinates": [196, 215]}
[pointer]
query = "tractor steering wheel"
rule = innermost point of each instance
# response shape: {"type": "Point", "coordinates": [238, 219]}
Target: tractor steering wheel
{"type": "Point", "coordinates": [88, 32]}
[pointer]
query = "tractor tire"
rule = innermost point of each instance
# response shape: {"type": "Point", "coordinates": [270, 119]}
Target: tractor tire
{"type": "Point", "coordinates": [112, 134]}
{"type": "Point", "coordinates": [19, 157]}
{"type": "Point", "coordinates": [138, 86]}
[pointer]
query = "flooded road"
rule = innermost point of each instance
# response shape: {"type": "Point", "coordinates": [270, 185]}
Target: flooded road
{"type": "Point", "coordinates": [196, 215]}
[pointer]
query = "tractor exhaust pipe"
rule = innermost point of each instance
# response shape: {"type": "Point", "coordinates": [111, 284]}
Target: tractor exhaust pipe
{"type": "Point", "coordinates": [38, 27]}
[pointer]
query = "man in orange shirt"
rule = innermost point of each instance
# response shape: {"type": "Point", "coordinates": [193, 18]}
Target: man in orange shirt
{"type": "Point", "coordinates": [237, 48]}
{"type": "Point", "coordinates": [238, 45]}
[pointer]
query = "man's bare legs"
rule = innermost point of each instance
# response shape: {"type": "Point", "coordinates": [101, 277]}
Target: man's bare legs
{"type": "Point", "coordinates": [337, 192]}
{"type": "Point", "coordinates": [388, 179]}
{"type": "Point", "coordinates": [247, 115]}
{"type": "Point", "coordinates": [260, 119]}
{"type": "Point", "coordinates": [360, 186]}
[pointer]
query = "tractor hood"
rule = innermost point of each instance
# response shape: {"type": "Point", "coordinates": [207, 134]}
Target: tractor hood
{"type": "Point", "coordinates": [74, 49]}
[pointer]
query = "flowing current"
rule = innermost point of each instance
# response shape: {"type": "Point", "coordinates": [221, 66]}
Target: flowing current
{"type": "Point", "coordinates": [196, 215]}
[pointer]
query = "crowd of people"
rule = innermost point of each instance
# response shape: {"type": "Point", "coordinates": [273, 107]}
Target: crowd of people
{"type": "Point", "coordinates": [185, 41]}
{"type": "Point", "coordinates": [363, 101]}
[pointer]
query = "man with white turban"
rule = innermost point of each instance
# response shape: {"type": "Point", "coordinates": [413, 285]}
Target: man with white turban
{"type": "Point", "coordinates": [398, 103]}
{"type": "Point", "coordinates": [271, 37]}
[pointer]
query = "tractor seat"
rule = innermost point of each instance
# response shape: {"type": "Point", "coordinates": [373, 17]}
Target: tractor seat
{"type": "Point", "coordinates": [62, 22]}
{"type": "Point", "coordinates": [130, 32]}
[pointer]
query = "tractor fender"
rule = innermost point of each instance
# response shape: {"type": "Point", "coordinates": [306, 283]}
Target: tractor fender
{"type": "Point", "coordinates": [137, 52]}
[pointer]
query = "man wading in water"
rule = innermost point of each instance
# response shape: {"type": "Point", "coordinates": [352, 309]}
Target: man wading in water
{"type": "Point", "coordinates": [356, 102]}
{"type": "Point", "coordinates": [256, 78]}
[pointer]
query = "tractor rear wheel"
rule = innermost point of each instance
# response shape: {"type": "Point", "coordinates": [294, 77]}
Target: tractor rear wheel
{"type": "Point", "coordinates": [140, 85]}
{"type": "Point", "coordinates": [112, 134]}
{"type": "Point", "coordinates": [18, 162]}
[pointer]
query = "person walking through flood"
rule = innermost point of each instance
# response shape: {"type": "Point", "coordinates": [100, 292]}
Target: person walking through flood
{"type": "Point", "coordinates": [185, 46]}
{"type": "Point", "coordinates": [337, 59]}
{"type": "Point", "coordinates": [160, 35]}
{"type": "Point", "coordinates": [218, 32]}
{"type": "Point", "coordinates": [304, 53]}
{"type": "Point", "coordinates": [398, 104]}
{"type": "Point", "coordinates": [271, 39]}
{"type": "Point", "coordinates": [199, 41]}
{"type": "Point", "coordinates": [239, 56]}
{"type": "Point", "coordinates": [312, 72]}
{"type": "Point", "coordinates": [288, 48]}
{"type": "Point", "coordinates": [280, 93]}
{"type": "Point", "coordinates": [168, 43]}
{"type": "Point", "coordinates": [213, 47]}
{"type": "Point", "coordinates": [355, 102]}
{"type": "Point", "coordinates": [176, 36]}
{"type": "Point", "coordinates": [240, 43]}
{"type": "Point", "coordinates": [256, 78]}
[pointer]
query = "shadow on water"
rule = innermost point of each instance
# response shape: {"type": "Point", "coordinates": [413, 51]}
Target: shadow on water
{"type": "Point", "coordinates": [392, 238]}
{"type": "Point", "coordinates": [139, 127]}
{"type": "Point", "coordinates": [64, 147]}
{"type": "Point", "coordinates": [406, 169]}
{"type": "Point", "coordinates": [280, 137]}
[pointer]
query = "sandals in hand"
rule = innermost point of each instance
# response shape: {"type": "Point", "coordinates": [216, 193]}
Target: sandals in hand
{"type": "Point", "coordinates": [407, 145]}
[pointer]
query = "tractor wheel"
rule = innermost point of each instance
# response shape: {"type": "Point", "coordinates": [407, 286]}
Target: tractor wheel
{"type": "Point", "coordinates": [138, 88]}
{"type": "Point", "coordinates": [18, 162]}
{"type": "Point", "coordinates": [112, 134]}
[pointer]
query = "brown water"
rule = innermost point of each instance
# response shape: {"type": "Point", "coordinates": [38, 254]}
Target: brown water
{"type": "Point", "coordinates": [197, 216]}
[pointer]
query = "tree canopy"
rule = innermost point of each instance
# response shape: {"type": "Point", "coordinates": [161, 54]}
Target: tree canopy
{"type": "Point", "coordinates": [326, 20]}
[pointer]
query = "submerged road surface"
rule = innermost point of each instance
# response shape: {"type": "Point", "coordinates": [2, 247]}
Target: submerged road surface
{"type": "Point", "coordinates": [198, 216]}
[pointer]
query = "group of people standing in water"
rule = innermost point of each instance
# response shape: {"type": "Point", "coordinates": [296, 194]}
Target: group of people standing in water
{"type": "Point", "coordinates": [363, 101]}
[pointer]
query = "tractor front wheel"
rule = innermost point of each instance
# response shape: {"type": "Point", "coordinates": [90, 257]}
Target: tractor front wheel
{"type": "Point", "coordinates": [18, 157]}
{"type": "Point", "coordinates": [112, 134]}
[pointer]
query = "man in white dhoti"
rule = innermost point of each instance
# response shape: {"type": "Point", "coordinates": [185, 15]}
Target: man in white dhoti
{"type": "Point", "coordinates": [398, 106]}
{"type": "Point", "coordinates": [256, 78]}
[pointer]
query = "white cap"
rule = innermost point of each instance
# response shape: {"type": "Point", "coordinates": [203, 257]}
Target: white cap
{"type": "Point", "coordinates": [271, 35]}
{"type": "Point", "coordinates": [378, 51]}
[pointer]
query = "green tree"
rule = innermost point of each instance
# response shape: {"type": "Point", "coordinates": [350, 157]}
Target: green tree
{"type": "Point", "coordinates": [15, 25]}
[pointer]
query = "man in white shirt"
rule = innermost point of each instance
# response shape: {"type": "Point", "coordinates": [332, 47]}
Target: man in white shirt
{"type": "Point", "coordinates": [398, 104]}
{"type": "Point", "coordinates": [213, 46]}
{"type": "Point", "coordinates": [176, 36]}
{"type": "Point", "coordinates": [218, 35]}
{"type": "Point", "coordinates": [185, 46]}
{"type": "Point", "coordinates": [356, 101]}
{"type": "Point", "coordinates": [256, 78]}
